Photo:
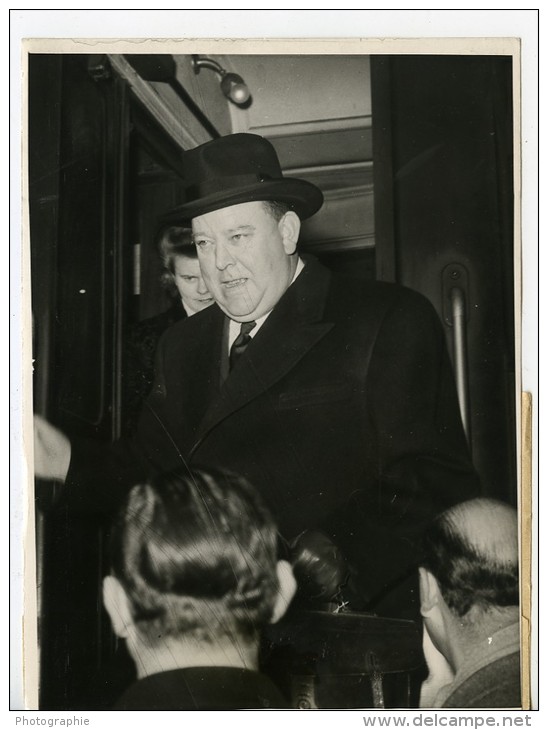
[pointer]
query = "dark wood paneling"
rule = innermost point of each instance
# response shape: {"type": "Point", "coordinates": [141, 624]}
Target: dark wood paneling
{"type": "Point", "coordinates": [78, 136]}
{"type": "Point", "coordinates": [444, 158]}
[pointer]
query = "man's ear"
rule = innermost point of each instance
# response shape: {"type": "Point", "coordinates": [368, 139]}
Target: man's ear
{"type": "Point", "coordinates": [287, 586]}
{"type": "Point", "coordinates": [429, 591]}
{"type": "Point", "coordinates": [289, 227]}
{"type": "Point", "coordinates": [116, 603]}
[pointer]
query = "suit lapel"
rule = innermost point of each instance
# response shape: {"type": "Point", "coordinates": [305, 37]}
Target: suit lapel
{"type": "Point", "coordinates": [200, 377]}
{"type": "Point", "coordinates": [291, 330]}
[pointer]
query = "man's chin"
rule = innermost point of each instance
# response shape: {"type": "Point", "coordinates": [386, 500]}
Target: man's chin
{"type": "Point", "coordinates": [238, 315]}
{"type": "Point", "coordinates": [238, 311]}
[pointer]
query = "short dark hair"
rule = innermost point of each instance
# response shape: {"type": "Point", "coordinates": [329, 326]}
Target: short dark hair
{"type": "Point", "coordinates": [276, 209]}
{"type": "Point", "coordinates": [196, 553]}
{"type": "Point", "coordinates": [469, 570]}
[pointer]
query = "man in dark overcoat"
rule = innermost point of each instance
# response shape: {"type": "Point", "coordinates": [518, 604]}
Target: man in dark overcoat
{"type": "Point", "coordinates": [333, 396]}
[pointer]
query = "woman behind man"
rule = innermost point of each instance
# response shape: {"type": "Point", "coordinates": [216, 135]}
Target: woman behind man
{"type": "Point", "coordinates": [183, 281]}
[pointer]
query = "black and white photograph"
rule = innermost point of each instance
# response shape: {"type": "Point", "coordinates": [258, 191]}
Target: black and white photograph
{"type": "Point", "coordinates": [272, 315]}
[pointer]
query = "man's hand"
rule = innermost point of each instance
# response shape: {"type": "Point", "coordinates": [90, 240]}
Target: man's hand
{"type": "Point", "coordinates": [51, 451]}
{"type": "Point", "coordinates": [439, 672]}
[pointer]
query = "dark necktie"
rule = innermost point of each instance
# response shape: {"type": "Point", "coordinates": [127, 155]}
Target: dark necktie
{"type": "Point", "coordinates": [241, 342]}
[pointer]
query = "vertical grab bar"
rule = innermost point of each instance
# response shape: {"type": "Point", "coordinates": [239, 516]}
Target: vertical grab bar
{"type": "Point", "coordinates": [458, 312]}
{"type": "Point", "coordinates": [455, 312]}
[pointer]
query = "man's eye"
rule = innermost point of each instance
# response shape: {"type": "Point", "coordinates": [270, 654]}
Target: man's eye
{"type": "Point", "coordinates": [238, 236]}
{"type": "Point", "coordinates": [201, 242]}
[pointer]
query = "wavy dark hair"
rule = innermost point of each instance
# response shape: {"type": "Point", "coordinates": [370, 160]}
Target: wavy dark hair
{"type": "Point", "coordinates": [196, 553]}
{"type": "Point", "coordinates": [472, 551]}
{"type": "Point", "coordinates": [172, 242]}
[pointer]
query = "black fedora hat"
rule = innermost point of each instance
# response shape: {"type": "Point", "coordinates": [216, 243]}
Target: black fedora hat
{"type": "Point", "coordinates": [239, 168]}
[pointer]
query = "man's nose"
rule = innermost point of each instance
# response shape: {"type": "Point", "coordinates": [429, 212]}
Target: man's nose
{"type": "Point", "coordinates": [223, 257]}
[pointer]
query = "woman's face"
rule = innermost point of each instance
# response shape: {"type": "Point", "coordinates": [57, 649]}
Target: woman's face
{"type": "Point", "coordinates": [190, 284]}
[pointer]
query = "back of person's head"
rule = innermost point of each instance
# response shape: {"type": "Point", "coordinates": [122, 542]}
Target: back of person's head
{"type": "Point", "coordinates": [471, 550]}
{"type": "Point", "coordinates": [196, 555]}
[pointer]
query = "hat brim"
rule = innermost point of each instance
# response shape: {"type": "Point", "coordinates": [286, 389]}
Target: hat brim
{"type": "Point", "coordinates": [303, 197]}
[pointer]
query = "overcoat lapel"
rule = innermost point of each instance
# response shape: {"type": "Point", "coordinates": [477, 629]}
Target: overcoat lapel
{"type": "Point", "coordinates": [292, 329]}
{"type": "Point", "coordinates": [199, 378]}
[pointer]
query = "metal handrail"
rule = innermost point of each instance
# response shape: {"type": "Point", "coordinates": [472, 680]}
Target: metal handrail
{"type": "Point", "coordinates": [458, 316]}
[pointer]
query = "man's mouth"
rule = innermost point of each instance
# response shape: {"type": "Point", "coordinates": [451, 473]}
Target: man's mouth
{"type": "Point", "coordinates": [234, 283]}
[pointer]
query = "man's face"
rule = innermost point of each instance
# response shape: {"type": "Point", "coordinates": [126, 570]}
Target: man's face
{"type": "Point", "coordinates": [190, 284]}
{"type": "Point", "coordinates": [246, 257]}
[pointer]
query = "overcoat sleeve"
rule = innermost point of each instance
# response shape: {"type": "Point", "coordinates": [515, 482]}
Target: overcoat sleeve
{"type": "Point", "coordinates": [100, 474]}
{"type": "Point", "coordinates": [423, 462]}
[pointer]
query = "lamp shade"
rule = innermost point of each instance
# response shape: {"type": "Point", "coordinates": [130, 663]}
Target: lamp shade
{"type": "Point", "coordinates": [234, 88]}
